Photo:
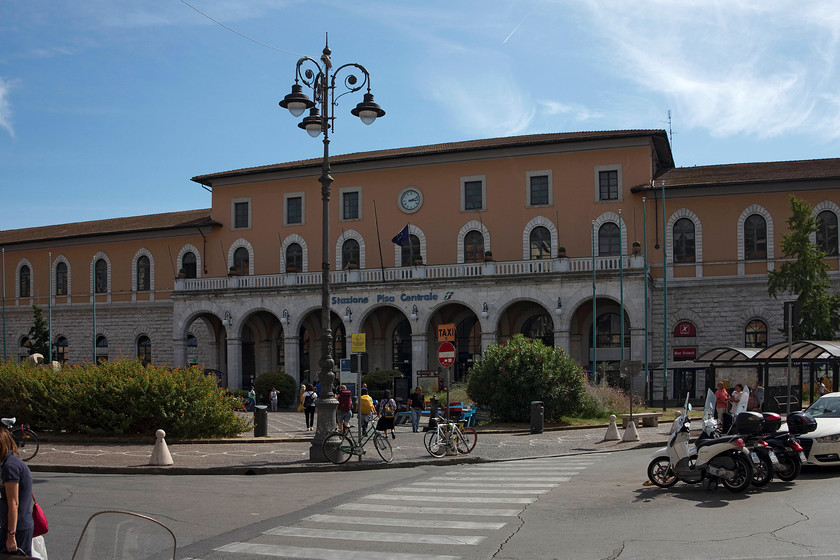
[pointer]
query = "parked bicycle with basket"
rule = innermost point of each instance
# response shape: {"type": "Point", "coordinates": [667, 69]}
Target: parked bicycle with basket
{"type": "Point", "coordinates": [25, 439]}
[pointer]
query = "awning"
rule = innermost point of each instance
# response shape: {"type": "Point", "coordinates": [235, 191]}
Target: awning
{"type": "Point", "coordinates": [728, 354]}
{"type": "Point", "coordinates": [684, 364]}
{"type": "Point", "coordinates": [800, 350]}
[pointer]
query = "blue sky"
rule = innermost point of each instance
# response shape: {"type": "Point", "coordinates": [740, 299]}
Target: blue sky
{"type": "Point", "coordinates": [109, 107]}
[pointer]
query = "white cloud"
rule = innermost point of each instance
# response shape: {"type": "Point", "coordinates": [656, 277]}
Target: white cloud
{"type": "Point", "coordinates": [577, 112]}
{"type": "Point", "coordinates": [6, 107]}
{"type": "Point", "coordinates": [732, 68]}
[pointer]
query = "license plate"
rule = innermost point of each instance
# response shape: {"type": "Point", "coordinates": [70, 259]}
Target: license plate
{"type": "Point", "coordinates": [773, 458]}
{"type": "Point", "coordinates": [754, 457]}
{"type": "Point", "coordinates": [802, 457]}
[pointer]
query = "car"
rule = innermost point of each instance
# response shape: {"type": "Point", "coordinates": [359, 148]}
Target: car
{"type": "Point", "coordinates": [822, 446]}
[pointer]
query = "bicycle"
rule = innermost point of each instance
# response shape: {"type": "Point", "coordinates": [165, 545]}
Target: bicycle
{"type": "Point", "coordinates": [340, 446]}
{"type": "Point", "coordinates": [451, 435]}
{"type": "Point", "coordinates": [25, 439]}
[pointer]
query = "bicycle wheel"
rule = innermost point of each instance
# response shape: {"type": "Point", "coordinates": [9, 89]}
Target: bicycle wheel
{"type": "Point", "coordinates": [338, 448]}
{"type": "Point", "coordinates": [466, 442]}
{"type": "Point", "coordinates": [437, 445]}
{"type": "Point", "coordinates": [383, 447]}
{"type": "Point", "coordinates": [26, 441]}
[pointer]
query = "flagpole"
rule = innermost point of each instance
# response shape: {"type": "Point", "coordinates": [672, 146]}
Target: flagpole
{"type": "Point", "coordinates": [49, 310]}
{"type": "Point", "coordinates": [378, 240]}
{"type": "Point", "coordinates": [645, 287]}
{"type": "Point", "coordinates": [594, 314]}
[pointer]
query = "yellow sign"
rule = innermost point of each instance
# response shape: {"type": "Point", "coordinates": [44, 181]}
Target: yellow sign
{"type": "Point", "coordinates": [446, 333]}
{"type": "Point", "coordinates": [358, 343]}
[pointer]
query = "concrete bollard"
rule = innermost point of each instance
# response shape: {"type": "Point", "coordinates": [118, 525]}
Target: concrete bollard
{"type": "Point", "coordinates": [160, 455]}
{"type": "Point", "coordinates": [612, 430]}
{"type": "Point", "coordinates": [630, 434]}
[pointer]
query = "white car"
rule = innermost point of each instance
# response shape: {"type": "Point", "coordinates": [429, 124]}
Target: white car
{"type": "Point", "coordinates": [822, 446]}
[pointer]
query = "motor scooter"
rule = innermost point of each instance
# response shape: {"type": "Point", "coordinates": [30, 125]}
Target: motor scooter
{"type": "Point", "coordinates": [710, 461]}
{"type": "Point", "coordinates": [124, 535]}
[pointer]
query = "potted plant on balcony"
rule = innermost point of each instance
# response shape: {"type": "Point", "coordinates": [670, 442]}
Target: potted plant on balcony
{"type": "Point", "coordinates": [233, 277]}
{"type": "Point", "coordinates": [637, 247]}
{"type": "Point", "coordinates": [562, 262]}
{"type": "Point", "coordinates": [488, 267]}
{"type": "Point", "coordinates": [353, 274]}
{"type": "Point", "coordinates": [419, 268]}
{"type": "Point", "coordinates": [291, 275]}
{"type": "Point", "coordinates": [637, 260]}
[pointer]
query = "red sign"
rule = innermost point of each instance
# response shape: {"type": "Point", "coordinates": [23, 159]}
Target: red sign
{"type": "Point", "coordinates": [685, 328]}
{"type": "Point", "coordinates": [685, 353]}
{"type": "Point", "coordinates": [446, 354]}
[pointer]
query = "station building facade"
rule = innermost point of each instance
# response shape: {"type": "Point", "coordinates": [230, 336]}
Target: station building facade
{"type": "Point", "coordinates": [540, 235]}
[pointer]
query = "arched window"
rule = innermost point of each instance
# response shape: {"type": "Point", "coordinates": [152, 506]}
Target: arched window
{"type": "Point", "coordinates": [61, 279]}
{"type": "Point", "coordinates": [25, 279]}
{"type": "Point", "coordinates": [608, 330]}
{"type": "Point", "coordinates": [540, 327]}
{"type": "Point", "coordinates": [350, 254]}
{"type": "Point", "coordinates": [101, 349]}
{"type": "Point", "coordinates": [827, 232]}
{"type": "Point", "coordinates": [294, 258]}
{"type": "Point", "coordinates": [683, 240]}
{"type": "Point", "coordinates": [240, 261]}
{"type": "Point", "coordinates": [100, 276]}
{"type": "Point", "coordinates": [410, 253]}
{"type": "Point", "coordinates": [540, 241]}
{"type": "Point", "coordinates": [144, 350]}
{"type": "Point", "coordinates": [144, 272]}
{"type": "Point", "coordinates": [755, 335]}
{"type": "Point", "coordinates": [473, 247]}
{"type": "Point", "coordinates": [61, 348]}
{"type": "Point", "coordinates": [192, 349]}
{"type": "Point", "coordinates": [608, 240]}
{"type": "Point", "coordinates": [188, 264]}
{"type": "Point", "coordinates": [755, 238]}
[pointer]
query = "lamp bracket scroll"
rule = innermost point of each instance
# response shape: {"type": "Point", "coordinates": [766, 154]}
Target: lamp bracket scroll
{"type": "Point", "coordinates": [227, 320]}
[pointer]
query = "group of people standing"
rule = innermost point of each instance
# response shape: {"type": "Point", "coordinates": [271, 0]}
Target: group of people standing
{"type": "Point", "coordinates": [726, 402]}
{"type": "Point", "coordinates": [386, 408]}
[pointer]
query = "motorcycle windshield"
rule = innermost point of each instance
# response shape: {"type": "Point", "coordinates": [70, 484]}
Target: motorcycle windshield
{"type": "Point", "coordinates": [126, 536]}
{"type": "Point", "coordinates": [742, 403]}
{"type": "Point", "coordinates": [709, 408]}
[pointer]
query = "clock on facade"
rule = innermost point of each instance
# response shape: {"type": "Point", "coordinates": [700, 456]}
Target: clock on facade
{"type": "Point", "coordinates": [410, 199]}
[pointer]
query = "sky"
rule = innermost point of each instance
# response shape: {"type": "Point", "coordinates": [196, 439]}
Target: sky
{"type": "Point", "coordinates": [109, 107]}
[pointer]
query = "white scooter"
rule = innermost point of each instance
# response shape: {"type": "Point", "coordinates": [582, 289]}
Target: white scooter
{"type": "Point", "coordinates": [711, 461]}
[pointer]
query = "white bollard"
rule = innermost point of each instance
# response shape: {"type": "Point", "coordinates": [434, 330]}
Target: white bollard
{"type": "Point", "coordinates": [160, 455]}
{"type": "Point", "coordinates": [612, 430]}
{"type": "Point", "coordinates": [630, 434]}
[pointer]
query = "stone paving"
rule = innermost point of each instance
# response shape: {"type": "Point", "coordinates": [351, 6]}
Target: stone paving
{"type": "Point", "coordinates": [287, 447]}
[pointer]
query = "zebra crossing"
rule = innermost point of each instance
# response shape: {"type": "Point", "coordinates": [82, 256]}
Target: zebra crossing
{"type": "Point", "coordinates": [434, 519]}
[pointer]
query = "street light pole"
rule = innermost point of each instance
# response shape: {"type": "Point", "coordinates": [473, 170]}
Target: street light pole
{"type": "Point", "coordinates": [320, 78]}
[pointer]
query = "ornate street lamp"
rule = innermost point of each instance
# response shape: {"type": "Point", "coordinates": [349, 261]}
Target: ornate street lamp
{"type": "Point", "coordinates": [320, 78]}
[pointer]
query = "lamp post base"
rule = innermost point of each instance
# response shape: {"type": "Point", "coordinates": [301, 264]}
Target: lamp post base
{"type": "Point", "coordinates": [324, 426]}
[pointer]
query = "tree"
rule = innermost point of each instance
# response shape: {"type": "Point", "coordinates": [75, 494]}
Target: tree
{"type": "Point", "coordinates": [39, 334]}
{"type": "Point", "coordinates": [512, 375]}
{"type": "Point", "coordinates": [806, 277]}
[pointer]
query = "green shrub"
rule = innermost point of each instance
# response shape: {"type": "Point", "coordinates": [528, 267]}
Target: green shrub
{"type": "Point", "coordinates": [287, 388]}
{"type": "Point", "coordinates": [119, 398]}
{"type": "Point", "coordinates": [513, 374]}
{"type": "Point", "coordinates": [606, 399]}
{"type": "Point", "coordinates": [380, 380]}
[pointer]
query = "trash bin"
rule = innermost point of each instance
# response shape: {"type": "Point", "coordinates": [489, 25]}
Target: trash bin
{"type": "Point", "coordinates": [537, 417]}
{"type": "Point", "coordinates": [260, 421]}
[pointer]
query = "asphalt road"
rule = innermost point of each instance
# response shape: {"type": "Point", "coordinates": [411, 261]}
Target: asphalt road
{"type": "Point", "coordinates": [582, 506]}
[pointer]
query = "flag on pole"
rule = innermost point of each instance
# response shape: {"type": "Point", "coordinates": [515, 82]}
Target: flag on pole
{"type": "Point", "coordinates": [402, 238]}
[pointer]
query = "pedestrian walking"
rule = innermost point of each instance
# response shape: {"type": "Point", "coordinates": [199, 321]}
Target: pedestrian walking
{"type": "Point", "coordinates": [387, 411]}
{"type": "Point", "coordinates": [300, 397]}
{"type": "Point", "coordinates": [759, 395]}
{"type": "Point", "coordinates": [822, 389]}
{"type": "Point", "coordinates": [416, 404]}
{"type": "Point", "coordinates": [272, 399]}
{"type": "Point", "coordinates": [721, 401]}
{"type": "Point", "coordinates": [15, 498]}
{"type": "Point", "coordinates": [344, 412]}
{"type": "Point", "coordinates": [309, 398]}
{"type": "Point", "coordinates": [366, 409]}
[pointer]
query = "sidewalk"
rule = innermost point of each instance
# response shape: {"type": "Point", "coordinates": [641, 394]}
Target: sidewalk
{"type": "Point", "coordinates": [287, 447]}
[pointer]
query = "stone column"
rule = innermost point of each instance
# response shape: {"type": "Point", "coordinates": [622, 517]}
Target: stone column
{"type": "Point", "coordinates": [179, 352]}
{"type": "Point", "coordinates": [292, 356]}
{"type": "Point", "coordinates": [419, 355]}
{"type": "Point", "coordinates": [234, 363]}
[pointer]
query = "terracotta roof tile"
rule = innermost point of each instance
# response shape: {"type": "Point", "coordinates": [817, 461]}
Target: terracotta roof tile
{"type": "Point", "coordinates": [659, 136]}
{"type": "Point", "coordinates": [150, 222]}
{"type": "Point", "coordinates": [744, 173]}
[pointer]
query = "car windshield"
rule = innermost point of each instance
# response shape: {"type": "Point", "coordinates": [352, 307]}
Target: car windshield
{"type": "Point", "coordinates": [825, 407]}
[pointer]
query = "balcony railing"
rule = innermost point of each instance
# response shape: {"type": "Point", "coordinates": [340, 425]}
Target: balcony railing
{"type": "Point", "coordinates": [408, 273]}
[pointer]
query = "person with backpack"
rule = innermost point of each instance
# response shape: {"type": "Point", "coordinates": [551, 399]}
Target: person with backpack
{"type": "Point", "coordinates": [309, 398]}
{"type": "Point", "coordinates": [387, 412]}
{"type": "Point", "coordinates": [416, 404]}
{"type": "Point", "coordinates": [366, 409]}
{"type": "Point", "coordinates": [344, 412]}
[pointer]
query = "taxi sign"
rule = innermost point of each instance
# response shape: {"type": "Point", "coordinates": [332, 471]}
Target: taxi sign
{"type": "Point", "coordinates": [446, 333]}
{"type": "Point", "coordinates": [446, 354]}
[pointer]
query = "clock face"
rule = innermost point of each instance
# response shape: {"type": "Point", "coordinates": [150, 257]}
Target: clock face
{"type": "Point", "coordinates": [410, 199]}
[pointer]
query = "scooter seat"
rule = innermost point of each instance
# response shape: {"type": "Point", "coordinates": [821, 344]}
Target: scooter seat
{"type": "Point", "coordinates": [713, 441]}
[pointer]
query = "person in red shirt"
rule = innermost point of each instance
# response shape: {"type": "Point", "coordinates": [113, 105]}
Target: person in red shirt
{"type": "Point", "coordinates": [721, 401]}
